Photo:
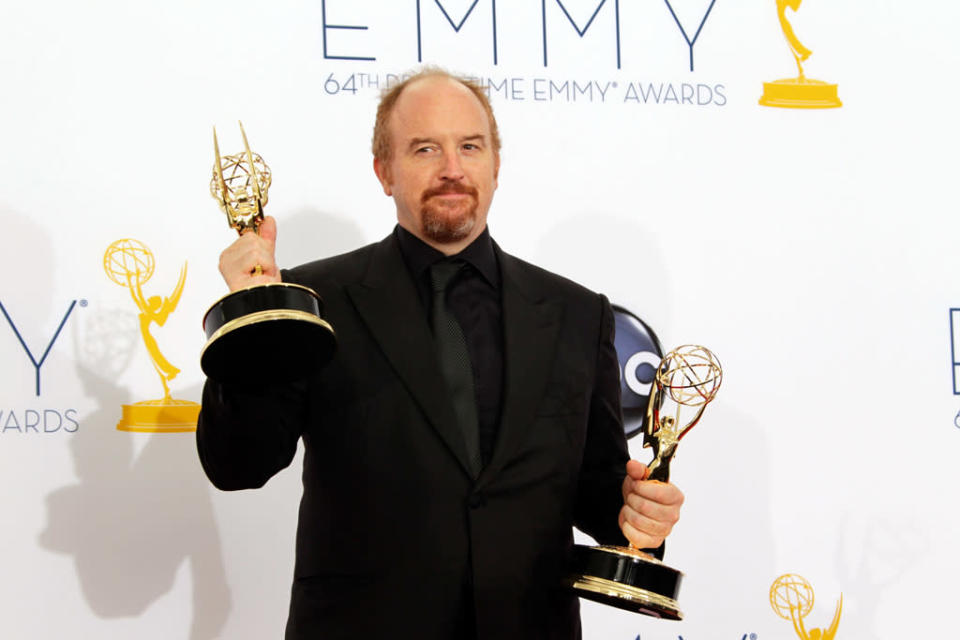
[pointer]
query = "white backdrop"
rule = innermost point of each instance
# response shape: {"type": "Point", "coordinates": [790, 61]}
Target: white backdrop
{"type": "Point", "coordinates": [813, 250]}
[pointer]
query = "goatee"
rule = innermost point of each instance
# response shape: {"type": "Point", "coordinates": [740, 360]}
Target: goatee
{"type": "Point", "coordinates": [445, 223]}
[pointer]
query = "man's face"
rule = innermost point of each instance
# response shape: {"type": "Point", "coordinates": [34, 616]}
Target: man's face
{"type": "Point", "coordinates": [442, 171]}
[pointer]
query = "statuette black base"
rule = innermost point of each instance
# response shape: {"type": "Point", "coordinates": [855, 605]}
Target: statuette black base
{"type": "Point", "coordinates": [627, 579]}
{"type": "Point", "coordinates": [273, 331]}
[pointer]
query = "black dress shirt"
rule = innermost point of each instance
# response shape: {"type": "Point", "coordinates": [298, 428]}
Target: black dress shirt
{"type": "Point", "coordinates": [474, 299]}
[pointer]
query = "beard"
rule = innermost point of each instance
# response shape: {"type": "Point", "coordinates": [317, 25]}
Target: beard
{"type": "Point", "coordinates": [448, 222]}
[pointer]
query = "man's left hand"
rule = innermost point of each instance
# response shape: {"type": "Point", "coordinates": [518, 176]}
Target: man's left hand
{"type": "Point", "coordinates": [650, 508]}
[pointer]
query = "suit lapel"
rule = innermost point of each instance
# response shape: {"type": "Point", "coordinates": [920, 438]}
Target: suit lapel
{"type": "Point", "coordinates": [531, 328]}
{"type": "Point", "coordinates": [388, 303]}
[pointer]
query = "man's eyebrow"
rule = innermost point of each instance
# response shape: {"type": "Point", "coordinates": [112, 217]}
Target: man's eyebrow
{"type": "Point", "coordinates": [418, 141]}
{"type": "Point", "coordinates": [415, 142]}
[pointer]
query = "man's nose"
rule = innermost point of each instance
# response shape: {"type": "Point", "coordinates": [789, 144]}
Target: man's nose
{"type": "Point", "coordinates": [452, 166]}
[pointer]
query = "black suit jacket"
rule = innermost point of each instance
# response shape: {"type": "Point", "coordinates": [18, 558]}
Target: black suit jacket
{"type": "Point", "coordinates": [395, 539]}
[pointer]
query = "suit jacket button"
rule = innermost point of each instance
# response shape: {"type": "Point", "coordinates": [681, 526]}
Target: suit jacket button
{"type": "Point", "coordinates": [477, 500]}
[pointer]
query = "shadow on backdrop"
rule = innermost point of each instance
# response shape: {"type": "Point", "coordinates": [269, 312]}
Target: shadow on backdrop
{"type": "Point", "coordinates": [31, 245]}
{"type": "Point", "coordinates": [133, 519]}
{"type": "Point", "coordinates": [310, 234]}
{"type": "Point", "coordinates": [613, 256]}
{"type": "Point", "coordinates": [873, 554]}
{"type": "Point", "coordinates": [727, 523]}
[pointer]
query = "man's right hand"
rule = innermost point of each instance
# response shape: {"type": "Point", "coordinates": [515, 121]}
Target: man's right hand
{"type": "Point", "coordinates": [239, 261]}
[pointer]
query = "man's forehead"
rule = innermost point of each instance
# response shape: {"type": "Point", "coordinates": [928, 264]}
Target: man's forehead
{"type": "Point", "coordinates": [433, 85]}
{"type": "Point", "coordinates": [439, 101]}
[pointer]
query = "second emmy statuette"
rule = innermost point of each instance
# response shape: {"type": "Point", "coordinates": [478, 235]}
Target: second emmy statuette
{"type": "Point", "coordinates": [800, 92]}
{"type": "Point", "coordinates": [625, 577]}
{"type": "Point", "coordinates": [277, 327]}
{"type": "Point", "coordinates": [129, 263]}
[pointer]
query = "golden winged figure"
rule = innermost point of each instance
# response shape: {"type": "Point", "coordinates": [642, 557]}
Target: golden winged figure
{"type": "Point", "coordinates": [817, 634]}
{"type": "Point", "coordinates": [157, 309]}
{"type": "Point", "coordinates": [800, 52]}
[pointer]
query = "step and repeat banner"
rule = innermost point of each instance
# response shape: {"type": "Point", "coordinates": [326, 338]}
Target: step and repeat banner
{"type": "Point", "coordinates": [774, 179]}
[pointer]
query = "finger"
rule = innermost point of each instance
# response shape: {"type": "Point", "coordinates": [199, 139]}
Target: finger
{"type": "Point", "coordinates": [659, 492]}
{"type": "Point", "coordinates": [249, 279]}
{"type": "Point", "coordinates": [260, 255]}
{"type": "Point", "coordinates": [640, 539]}
{"type": "Point", "coordinates": [241, 256]}
{"type": "Point", "coordinates": [663, 513]}
{"type": "Point", "coordinates": [647, 526]}
{"type": "Point", "coordinates": [636, 471]}
{"type": "Point", "coordinates": [239, 261]}
{"type": "Point", "coordinates": [252, 249]}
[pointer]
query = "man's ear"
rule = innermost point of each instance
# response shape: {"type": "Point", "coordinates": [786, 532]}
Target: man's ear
{"type": "Point", "coordinates": [383, 175]}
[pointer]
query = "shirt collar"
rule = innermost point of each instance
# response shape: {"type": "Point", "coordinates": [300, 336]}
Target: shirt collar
{"type": "Point", "coordinates": [419, 256]}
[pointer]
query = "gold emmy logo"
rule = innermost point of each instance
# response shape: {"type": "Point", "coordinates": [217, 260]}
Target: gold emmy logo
{"type": "Point", "coordinates": [800, 92]}
{"type": "Point", "coordinates": [129, 263]}
{"type": "Point", "coordinates": [791, 596]}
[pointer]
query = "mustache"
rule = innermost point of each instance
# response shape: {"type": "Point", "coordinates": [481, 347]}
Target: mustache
{"type": "Point", "coordinates": [449, 187]}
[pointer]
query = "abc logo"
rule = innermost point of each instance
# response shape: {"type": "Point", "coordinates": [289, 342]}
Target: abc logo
{"type": "Point", "coordinates": [639, 354]}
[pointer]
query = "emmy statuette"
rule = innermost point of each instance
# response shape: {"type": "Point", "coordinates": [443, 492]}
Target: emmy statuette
{"type": "Point", "coordinates": [625, 577]}
{"type": "Point", "coordinates": [130, 263]}
{"type": "Point", "coordinates": [275, 327]}
{"type": "Point", "coordinates": [800, 92]}
{"type": "Point", "coordinates": [791, 596]}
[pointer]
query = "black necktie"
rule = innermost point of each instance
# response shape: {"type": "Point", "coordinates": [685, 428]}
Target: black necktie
{"type": "Point", "coordinates": [455, 360]}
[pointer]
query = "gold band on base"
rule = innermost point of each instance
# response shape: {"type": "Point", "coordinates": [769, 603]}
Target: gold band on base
{"type": "Point", "coordinates": [630, 552]}
{"type": "Point", "coordinates": [800, 93]}
{"type": "Point", "coordinates": [265, 316]}
{"type": "Point", "coordinates": [654, 601]}
{"type": "Point", "coordinates": [168, 415]}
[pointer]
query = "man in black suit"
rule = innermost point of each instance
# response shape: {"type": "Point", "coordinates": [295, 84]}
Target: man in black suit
{"type": "Point", "coordinates": [466, 422]}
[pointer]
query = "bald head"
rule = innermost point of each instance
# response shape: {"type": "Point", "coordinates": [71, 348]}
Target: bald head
{"type": "Point", "coordinates": [381, 138]}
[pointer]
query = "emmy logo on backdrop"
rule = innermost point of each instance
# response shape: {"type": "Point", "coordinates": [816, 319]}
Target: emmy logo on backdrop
{"type": "Point", "coordinates": [800, 92]}
{"type": "Point", "coordinates": [129, 263]}
{"type": "Point", "coordinates": [791, 596]}
{"type": "Point", "coordinates": [688, 378]}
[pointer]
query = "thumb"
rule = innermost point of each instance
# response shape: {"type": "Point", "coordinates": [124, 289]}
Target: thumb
{"type": "Point", "coordinates": [636, 470]}
{"type": "Point", "coordinates": [268, 230]}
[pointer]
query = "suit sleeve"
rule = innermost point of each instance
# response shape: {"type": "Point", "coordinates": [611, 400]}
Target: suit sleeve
{"type": "Point", "coordinates": [599, 494]}
{"type": "Point", "coordinates": [246, 434]}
